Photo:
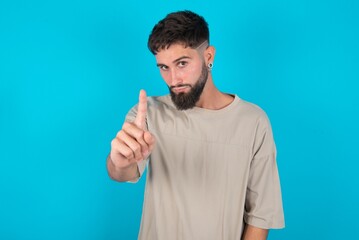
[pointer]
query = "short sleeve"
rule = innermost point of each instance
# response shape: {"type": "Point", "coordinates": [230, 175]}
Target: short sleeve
{"type": "Point", "coordinates": [263, 207]}
{"type": "Point", "coordinates": [141, 165]}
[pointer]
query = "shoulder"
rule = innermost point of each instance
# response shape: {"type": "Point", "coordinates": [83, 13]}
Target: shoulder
{"type": "Point", "coordinates": [253, 116]}
{"type": "Point", "coordinates": [252, 110]}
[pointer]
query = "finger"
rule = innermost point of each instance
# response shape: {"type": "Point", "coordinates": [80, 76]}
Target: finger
{"type": "Point", "coordinates": [118, 147]}
{"type": "Point", "coordinates": [136, 133]}
{"type": "Point", "coordinates": [140, 120]}
{"type": "Point", "coordinates": [131, 143]}
{"type": "Point", "coordinates": [148, 137]}
{"type": "Point", "coordinates": [150, 140]}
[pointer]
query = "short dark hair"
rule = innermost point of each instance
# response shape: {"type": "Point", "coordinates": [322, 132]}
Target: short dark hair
{"type": "Point", "coordinates": [184, 27]}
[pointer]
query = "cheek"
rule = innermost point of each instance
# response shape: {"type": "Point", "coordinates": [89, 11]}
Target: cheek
{"type": "Point", "coordinates": [193, 72]}
{"type": "Point", "coordinates": [166, 77]}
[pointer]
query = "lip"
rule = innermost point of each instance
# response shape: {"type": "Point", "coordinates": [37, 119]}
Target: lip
{"type": "Point", "coordinates": [180, 89]}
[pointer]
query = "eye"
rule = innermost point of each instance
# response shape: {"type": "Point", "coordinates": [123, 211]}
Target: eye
{"type": "Point", "coordinates": [163, 67]}
{"type": "Point", "coordinates": [182, 64]}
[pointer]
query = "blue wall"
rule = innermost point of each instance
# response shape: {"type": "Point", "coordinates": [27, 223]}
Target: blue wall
{"type": "Point", "coordinates": [70, 70]}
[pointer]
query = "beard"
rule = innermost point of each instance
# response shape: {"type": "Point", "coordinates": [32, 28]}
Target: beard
{"type": "Point", "coordinates": [184, 101]}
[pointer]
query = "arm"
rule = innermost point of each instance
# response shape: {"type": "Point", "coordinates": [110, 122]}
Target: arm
{"type": "Point", "coordinates": [263, 206]}
{"type": "Point", "coordinates": [254, 233]}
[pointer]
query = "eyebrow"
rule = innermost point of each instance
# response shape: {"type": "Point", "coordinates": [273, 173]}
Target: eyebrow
{"type": "Point", "coordinates": [181, 58]}
{"type": "Point", "coordinates": [174, 61]}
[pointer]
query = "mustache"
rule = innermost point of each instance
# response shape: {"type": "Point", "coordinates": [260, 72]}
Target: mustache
{"type": "Point", "coordinates": [180, 85]}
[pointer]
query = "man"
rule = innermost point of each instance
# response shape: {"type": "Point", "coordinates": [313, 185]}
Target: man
{"type": "Point", "coordinates": [212, 171]}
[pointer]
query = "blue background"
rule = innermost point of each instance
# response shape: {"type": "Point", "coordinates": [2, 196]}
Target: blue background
{"type": "Point", "coordinates": [70, 70]}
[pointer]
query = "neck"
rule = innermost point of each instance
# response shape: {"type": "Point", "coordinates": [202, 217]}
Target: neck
{"type": "Point", "coordinates": [212, 98]}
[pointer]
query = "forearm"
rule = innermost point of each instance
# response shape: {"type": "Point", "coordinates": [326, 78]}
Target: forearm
{"type": "Point", "coordinates": [254, 233]}
{"type": "Point", "coordinates": [122, 175]}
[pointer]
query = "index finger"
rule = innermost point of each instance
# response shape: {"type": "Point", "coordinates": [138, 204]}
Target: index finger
{"type": "Point", "coordinates": [140, 119]}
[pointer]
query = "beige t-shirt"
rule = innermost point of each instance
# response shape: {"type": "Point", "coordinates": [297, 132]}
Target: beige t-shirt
{"type": "Point", "coordinates": [210, 171]}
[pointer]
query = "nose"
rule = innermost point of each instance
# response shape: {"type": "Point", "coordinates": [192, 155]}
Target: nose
{"type": "Point", "coordinates": [175, 77]}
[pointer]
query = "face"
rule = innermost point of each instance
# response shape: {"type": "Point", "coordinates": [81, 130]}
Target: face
{"type": "Point", "coordinates": [185, 73]}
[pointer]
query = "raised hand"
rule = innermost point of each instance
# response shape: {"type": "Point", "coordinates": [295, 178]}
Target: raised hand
{"type": "Point", "coordinates": [133, 142]}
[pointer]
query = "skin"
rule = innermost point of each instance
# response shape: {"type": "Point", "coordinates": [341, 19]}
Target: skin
{"type": "Point", "coordinates": [179, 65]}
{"type": "Point", "coordinates": [180, 68]}
{"type": "Point", "coordinates": [132, 143]}
{"type": "Point", "coordinates": [254, 233]}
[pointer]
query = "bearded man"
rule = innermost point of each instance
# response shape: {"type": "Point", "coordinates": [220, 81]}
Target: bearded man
{"type": "Point", "coordinates": [211, 157]}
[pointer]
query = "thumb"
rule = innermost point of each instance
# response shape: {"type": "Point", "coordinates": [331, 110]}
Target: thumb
{"type": "Point", "coordinates": [149, 138]}
{"type": "Point", "coordinates": [140, 119]}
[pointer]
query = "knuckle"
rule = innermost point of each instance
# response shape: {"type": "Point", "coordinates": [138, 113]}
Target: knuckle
{"type": "Point", "coordinates": [137, 148]}
{"type": "Point", "coordinates": [114, 142]}
{"type": "Point", "coordinates": [126, 125]}
{"type": "Point", "coordinates": [139, 134]}
{"type": "Point", "coordinates": [128, 154]}
{"type": "Point", "coordinates": [120, 134]}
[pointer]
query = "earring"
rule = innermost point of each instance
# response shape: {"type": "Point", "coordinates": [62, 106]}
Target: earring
{"type": "Point", "coordinates": [210, 66]}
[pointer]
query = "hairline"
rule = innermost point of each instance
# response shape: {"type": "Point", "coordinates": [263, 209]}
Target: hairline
{"type": "Point", "coordinates": [185, 45]}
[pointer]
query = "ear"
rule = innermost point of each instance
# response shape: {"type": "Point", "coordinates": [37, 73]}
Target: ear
{"type": "Point", "coordinates": [209, 54]}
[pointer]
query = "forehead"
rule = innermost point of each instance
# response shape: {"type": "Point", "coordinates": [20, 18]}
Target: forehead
{"type": "Point", "coordinates": [174, 52]}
